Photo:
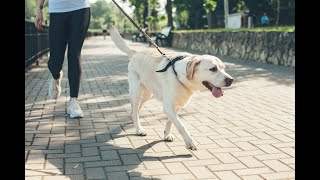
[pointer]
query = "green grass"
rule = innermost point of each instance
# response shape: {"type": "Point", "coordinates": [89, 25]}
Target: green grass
{"type": "Point", "coordinates": [257, 29]}
{"type": "Point", "coordinates": [95, 30]}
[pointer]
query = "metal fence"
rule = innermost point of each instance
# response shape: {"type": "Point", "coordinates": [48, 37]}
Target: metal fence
{"type": "Point", "coordinates": [36, 43]}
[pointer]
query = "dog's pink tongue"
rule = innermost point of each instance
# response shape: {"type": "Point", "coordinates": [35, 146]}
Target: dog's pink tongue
{"type": "Point", "coordinates": [217, 92]}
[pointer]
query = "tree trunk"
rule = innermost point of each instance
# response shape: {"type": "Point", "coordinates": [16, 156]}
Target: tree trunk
{"type": "Point", "coordinates": [278, 12]}
{"type": "Point", "coordinates": [169, 13]}
{"type": "Point", "coordinates": [145, 14]}
{"type": "Point", "coordinates": [210, 19]}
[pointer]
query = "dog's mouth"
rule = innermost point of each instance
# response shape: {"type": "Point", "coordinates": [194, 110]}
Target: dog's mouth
{"type": "Point", "coordinates": [216, 91]}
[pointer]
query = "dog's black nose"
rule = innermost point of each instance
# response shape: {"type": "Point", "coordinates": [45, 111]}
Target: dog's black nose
{"type": "Point", "coordinates": [228, 81]}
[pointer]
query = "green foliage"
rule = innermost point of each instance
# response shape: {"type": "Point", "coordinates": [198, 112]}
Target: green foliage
{"type": "Point", "coordinates": [94, 30]}
{"type": "Point", "coordinates": [240, 6]}
{"type": "Point", "coordinates": [187, 14]}
{"type": "Point", "coordinates": [103, 12]}
{"type": "Point", "coordinates": [30, 6]}
{"type": "Point", "coordinates": [196, 12]}
{"type": "Point", "coordinates": [100, 14]}
{"type": "Point", "coordinates": [141, 13]}
{"type": "Point", "coordinates": [286, 14]}
{"type": "Point", "coordinates": [182, 13]}
{"type": "Point", "coordinates": [30, 11]}
{"type": "Point", "coordinates": [210, 5]}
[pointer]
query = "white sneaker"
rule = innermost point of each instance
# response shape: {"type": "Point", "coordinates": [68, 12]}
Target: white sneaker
{"type": "Point", "coordinates": [55, 87]}
{"type": "Point", "coordinates": [74, 109]}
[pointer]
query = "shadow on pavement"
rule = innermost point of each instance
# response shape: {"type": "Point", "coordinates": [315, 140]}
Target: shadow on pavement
{"type": "Point", "coordinates": [118, 161]}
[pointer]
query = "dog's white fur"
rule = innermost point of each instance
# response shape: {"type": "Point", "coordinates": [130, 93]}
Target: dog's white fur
{"type": "Point", "coordinates": [145, 82]}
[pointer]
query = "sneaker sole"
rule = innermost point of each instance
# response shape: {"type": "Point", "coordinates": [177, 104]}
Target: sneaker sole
{"type": "Point", "coordinates": [75, 115]}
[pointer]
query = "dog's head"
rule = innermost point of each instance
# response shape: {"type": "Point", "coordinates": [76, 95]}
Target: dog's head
{"type": "Point", "coordinates": [210, 72]}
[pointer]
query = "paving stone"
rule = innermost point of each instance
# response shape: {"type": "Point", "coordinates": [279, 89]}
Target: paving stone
{"type": "Point", "coordinates": [95, 173]}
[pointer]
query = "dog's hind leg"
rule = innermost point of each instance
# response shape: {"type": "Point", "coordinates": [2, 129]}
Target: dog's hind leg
{"type": "Point", "coordinates": [145, 97]}
{"type": "Point", "coordinates": [136, 91]}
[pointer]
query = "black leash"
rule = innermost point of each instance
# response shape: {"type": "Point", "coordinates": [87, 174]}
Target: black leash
{"type": "Point", "coordinates": [144, 33]}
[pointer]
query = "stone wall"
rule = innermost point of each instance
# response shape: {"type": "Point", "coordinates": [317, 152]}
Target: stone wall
{"type": "Point", "coordinates": [266, 47]}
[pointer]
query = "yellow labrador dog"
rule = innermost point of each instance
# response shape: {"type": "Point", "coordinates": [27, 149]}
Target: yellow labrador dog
{"type": "Point", "coordinates": [174, 87]}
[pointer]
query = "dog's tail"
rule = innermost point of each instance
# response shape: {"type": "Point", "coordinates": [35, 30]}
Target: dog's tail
{"type": "Point", "coordinates": [119, 42]}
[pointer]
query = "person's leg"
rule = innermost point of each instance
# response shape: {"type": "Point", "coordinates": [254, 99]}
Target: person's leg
{"type": "Point", "coordinates": [57, 44]}
{"type": "Point", "coordinates": [78, 24]}
{"type": "Point", "coordinates": [77, 29]}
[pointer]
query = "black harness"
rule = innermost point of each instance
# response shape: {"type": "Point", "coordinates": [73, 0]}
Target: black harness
{"type": "Point", "coordinates": [172, 62]}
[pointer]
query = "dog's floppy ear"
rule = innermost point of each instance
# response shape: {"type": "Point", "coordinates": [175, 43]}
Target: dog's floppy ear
{"type": "Point", "coordinates": [220, 63]}
{"type": "Point", "coordinates": [191, 65]}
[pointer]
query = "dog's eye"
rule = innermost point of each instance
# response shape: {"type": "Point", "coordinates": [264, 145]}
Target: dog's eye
{"type": "Point", "coordinates": [214, 69]}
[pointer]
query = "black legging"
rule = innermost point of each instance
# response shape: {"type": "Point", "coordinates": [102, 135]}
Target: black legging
{"type": "Point", "coordinates": [68, 28]}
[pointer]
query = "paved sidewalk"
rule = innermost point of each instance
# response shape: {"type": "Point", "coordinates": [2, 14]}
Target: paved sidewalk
{"type": "Point", "coordinates": [249, 133]}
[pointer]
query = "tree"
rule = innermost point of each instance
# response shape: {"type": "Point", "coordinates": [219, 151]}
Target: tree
{"type": "Point", "coordinates": [275, 5]}
{"type": "Point", "coordinates": [139, 11]}
{"type": "Point", "coordinates": [101, 12]}
{"type": "Point", "coordinates": [29, 10]}
{"type": "Point", "coordinates": [181, 13]}
{"type": "Point", "coordinates": [169, 13]}
{"type": "Point", "coordinates": [153, 19]}
{"type": "Point", "coordinates": [240, 7]}
{"type": "Point", "coordinates": [145, 13]}
{"type": "Point", "coordinates": [278, 12]}
{"type": "Point", "coordinates": [287, 14]}
{"type": "Point", "coordinates": [195, 12]}
{"type": "Point", "coordinates": [210, 6]}
{"type": "Point", "coordinates": [141, 8]}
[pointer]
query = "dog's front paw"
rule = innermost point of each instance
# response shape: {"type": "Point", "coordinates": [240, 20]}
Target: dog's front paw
{"type": "Point", "coordinates": [169, 137]}
{"type": "Point", "coordinates": [191, 144]}
{"type": "Point", "coordinates": [141, 132]}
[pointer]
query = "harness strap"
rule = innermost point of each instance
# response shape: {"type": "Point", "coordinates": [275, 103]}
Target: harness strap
{"type": "Point", "coordinates": [172, 62]}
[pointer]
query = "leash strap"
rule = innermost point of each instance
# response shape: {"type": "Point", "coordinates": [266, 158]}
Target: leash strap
{"type": "Point", "coordinates": [144, 33]}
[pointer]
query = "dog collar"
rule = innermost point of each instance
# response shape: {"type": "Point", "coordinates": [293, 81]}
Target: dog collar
{"type": "Point", "coordinates": [172, 62]}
